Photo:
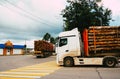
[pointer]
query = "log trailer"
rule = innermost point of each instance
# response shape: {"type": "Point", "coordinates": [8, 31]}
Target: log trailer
{"type": "Point", "coordinates": [42, 48]}
{"type": "Point", "coordinates": [99, 45]}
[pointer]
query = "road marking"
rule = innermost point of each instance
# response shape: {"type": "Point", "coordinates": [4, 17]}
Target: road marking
{"type": "Point", "coordinates": [25, 73]}
{"type": "Point", "coordinates": [37, 71]}
{"type": "Point", "coordinates": [30, 72]}
{"type": "Point", "coordinates": [13, 76]}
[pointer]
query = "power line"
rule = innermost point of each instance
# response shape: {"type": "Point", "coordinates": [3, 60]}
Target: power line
{"type": "Point", "coordinates": [19, 13]}
{"type": "Point", "coordinates": [26, 13]}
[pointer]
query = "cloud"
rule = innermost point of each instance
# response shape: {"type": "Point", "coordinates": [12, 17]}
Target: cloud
{"type": "Point", "coordinates": [29, 20]}
{"type": "Point", "coordinates": [114, 6]}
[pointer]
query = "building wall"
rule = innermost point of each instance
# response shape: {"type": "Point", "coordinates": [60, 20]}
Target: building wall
{"type": "Point", "coordinates": [17, 51]}
{"type": "Point", "coordinates": [1, 51]}
{"type": "Point", "coordinates": [9, 49]}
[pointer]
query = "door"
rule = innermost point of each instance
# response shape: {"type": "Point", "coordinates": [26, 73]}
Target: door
{"type": "Point", "coordinates": [8, 52]}
{"type": "Point", "coordinates": [61, 48]}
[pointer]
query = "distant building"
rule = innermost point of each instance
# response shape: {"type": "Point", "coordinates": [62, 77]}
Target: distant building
{"type": "Point", "coordinates": [9, 49]}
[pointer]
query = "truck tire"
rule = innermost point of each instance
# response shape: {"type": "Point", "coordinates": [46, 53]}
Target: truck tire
{"type": "Point", "coordinates": [43, 55]}
{"type": "Point", "coordinates": [68, 62]}
{"type": "Point", "coordinates": [38, 56]}
{"type": "Point", "coordinates": [109, 62]}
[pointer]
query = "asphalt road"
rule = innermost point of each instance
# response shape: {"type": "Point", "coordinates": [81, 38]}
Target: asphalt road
{"type": "Point", "coordinates": [76, 72]}
{"type": "Point", "coordinates": [12, 62]}
{"type": "Point", "coordinates": [85, 73]}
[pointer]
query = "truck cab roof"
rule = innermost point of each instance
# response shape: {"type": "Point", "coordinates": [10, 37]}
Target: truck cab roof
{"type": "Point", "coordinates": [73, 32]}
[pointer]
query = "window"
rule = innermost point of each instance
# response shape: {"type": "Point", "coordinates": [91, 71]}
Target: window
{"type": "Point", "coordinates": [63, 41]}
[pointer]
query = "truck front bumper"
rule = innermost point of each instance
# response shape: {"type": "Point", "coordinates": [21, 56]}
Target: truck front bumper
{"type": "Point", "coordinates": [60, 63]}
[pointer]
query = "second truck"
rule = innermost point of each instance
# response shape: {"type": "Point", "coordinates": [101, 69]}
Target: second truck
{"type": "Point", "coordinates": [43, 48]}
{"type": "Point", "coordinates": [95, 46]}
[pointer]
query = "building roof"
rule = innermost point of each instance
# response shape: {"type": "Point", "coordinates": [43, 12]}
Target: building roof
{"type": "Point", "coordinates": [14, 46]}
{"type": "Point", "coordinates": [18, 46]}
{"type": "Point", "coordinates": [2, 45]}
{"type": "Point", "coordinates": [9, 43]}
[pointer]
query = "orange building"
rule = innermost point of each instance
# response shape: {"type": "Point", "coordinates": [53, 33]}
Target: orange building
{"type": "Point", "coordinates": [9, 49]}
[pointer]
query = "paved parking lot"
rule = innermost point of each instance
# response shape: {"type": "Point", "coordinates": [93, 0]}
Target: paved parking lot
{"type": "Point", "coordinates": [86, 72]}
{"type": "Point", "coordinates": [46, 68]}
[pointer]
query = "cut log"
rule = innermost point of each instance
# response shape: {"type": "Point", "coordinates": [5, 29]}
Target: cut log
{"type": "Point", "coordinates": [103, 38]}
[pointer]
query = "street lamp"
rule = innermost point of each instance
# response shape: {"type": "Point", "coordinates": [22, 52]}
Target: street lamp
{"type": "Point", "coordinates": [100, 21]}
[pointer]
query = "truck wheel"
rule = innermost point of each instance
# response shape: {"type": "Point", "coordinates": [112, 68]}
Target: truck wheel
{"type": "Point", "coordinates": [109, 62]}
{"type": "Point", "coordinates": [43, 56]}
{"type": "Point", "coordinates": [68, 62]}
{"type": "Point", "coordinates": [38, 56]}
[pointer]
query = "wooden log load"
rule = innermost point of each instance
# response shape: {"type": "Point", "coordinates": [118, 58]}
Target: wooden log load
{"type": "Point", "coordinates": [43, 46]}
{"type": "Point", "coordinates": [104, 39]}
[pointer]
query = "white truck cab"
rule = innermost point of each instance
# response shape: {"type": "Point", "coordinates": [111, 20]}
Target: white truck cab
{"type": "Point", "coordinates": [68, 45]}
{"type": "Point", "coordinates": [69, 51]}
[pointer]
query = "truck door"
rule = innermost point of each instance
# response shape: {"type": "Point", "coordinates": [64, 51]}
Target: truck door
{"type": "Point", "coordinates": [62, 48]}
{"type": "Point", "coordinates": [63, 45]}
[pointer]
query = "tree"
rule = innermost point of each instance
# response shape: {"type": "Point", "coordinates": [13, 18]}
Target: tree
{"type": "Point", "coordinates": [52, 40]}
{"type": "Point", "coordinates": [98, 0]}
{"type": "Point", "coordinates": [85, 13]}
{"type": "Point", "coordinates": [46, 37]}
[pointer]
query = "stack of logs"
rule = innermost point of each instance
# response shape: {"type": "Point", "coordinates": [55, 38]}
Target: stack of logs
{"type": "Point", "coordinates": [103, 40]}
{"type": "Point", "coordinates": [44, 46]}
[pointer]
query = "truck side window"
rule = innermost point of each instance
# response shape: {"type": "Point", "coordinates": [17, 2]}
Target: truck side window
{"type": "Point", "coordinates": [63, 42]}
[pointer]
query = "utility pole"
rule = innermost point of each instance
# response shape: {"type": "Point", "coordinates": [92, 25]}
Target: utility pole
{"type": "Point", "coordinates": [25, 47]}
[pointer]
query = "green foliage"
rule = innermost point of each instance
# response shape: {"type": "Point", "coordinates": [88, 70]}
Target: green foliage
{"type": "Point", "coordinates": [83, 14]}
{"type": "Point", "coordinates": [52, 40]}
{"type": "Point", "coordinates": [48, 37]}
{"type": "Point", "coordinates": [98, 0]}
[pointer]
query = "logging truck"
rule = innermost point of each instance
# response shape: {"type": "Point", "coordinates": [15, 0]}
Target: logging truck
{"type": "Point", "coordinates": [98, 45]}
{"type": "Point", "coordinates": [43, 48]}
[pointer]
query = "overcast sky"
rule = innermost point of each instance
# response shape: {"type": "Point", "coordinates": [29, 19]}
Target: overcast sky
{"type": "Point", "coordinates": [29, 20]}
